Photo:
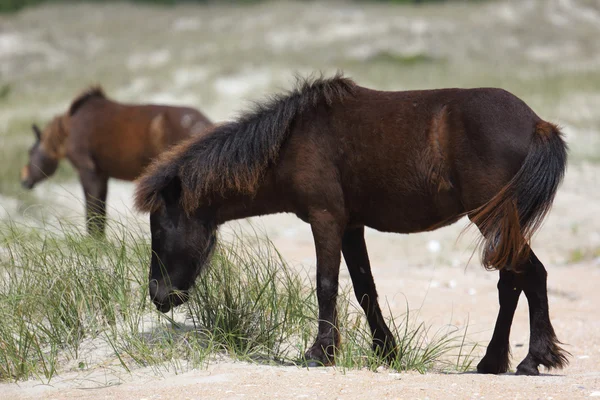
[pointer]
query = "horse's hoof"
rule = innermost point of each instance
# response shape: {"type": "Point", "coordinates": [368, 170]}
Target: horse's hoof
{"type": "Point", "coordinates": [316, 357]}
{"type": "Point", "coordinates": [388, 354]}
{"type": "Point", "coordinates": [528, 367]}
{"type": "Point", "coordinates": [487, 367]}
{"type": "Point", "coordinates": [313, 364]}
{"type": "Point", "coordinates": [527, 370]}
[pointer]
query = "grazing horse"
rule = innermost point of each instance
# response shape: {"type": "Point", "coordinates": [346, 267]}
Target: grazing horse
{"type": "Point", "coordinates": [104, 139]}
{"type": "Point", "coordinates": [342, 157]}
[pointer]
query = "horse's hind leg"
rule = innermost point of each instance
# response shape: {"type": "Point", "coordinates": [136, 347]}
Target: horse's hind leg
{"type": "Point", "coordinates": [357, 260]}
{"type": "Point", "coordinates": [544, 347]}
{"type": "Point", "coordinates": [95, 188]}
{"type": "Point", "coordinates": [496, 359]}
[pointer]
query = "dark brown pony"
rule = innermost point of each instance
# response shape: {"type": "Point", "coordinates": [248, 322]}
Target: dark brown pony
{"type": "Point", "coordinates": [342, 157]}
{"type": "Point", "coordinates": [104, 139]}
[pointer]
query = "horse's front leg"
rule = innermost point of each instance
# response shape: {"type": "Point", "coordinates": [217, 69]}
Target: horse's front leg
{"type": "Point", "coordinates": [95, 187]}
{"type": "Point", "coordinates": [327, 232]}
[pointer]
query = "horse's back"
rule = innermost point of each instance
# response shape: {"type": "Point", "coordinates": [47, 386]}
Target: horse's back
{"type": "Point", "coordinates": [404, 160]}
{"type": "Point", "coordinates": [183, 121]}
{"type": "Point", "coordinates": [123, 138]}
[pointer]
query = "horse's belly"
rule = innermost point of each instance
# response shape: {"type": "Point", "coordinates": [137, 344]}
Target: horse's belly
{"type": "Point", "coordinates": [406, 224]}
{"type": "Point", "coordinates": [410, 215]}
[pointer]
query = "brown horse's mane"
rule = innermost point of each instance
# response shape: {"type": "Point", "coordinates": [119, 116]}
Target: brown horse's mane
{"type": "Point", "coordinates": [234, 156]}
{"type": "Point", "coordinates": [91, 92]}
{"type": "Point", "coordinates": [54, 136]}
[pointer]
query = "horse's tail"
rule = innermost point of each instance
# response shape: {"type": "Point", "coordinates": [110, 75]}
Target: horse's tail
{"type": "Point", "coordinates": [512, 216]}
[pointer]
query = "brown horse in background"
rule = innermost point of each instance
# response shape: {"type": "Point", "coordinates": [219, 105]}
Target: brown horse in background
{"type": "Point", "coordinates": [104, 139]}
{"type": "Point", "coordinates": [342, 157]}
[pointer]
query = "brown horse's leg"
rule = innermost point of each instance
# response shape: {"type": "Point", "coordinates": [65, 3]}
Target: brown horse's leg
{"type": "Point", "coordinates": [95, 188]}
{"type": "Point", "coordinates": [544, 347]}
{"type": "Point", "coordinates": [357, 259]}
{"type": "Point", "coordinates": [327, 233]}
{"type": "Point", "coordinates": [496, 359]}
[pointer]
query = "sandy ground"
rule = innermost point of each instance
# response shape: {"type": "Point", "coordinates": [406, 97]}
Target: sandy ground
{"type": "Point", "coordinates": [429, 272]}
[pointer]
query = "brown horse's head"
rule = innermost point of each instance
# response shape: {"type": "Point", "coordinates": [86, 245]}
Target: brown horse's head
{"type": "Point", "coordinates": [182, 243]}
{"type": "Point", "coordinates": [43, 155]}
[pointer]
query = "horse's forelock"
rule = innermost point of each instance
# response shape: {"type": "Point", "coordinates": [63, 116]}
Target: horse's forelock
{"type": "Point", "coordinates": [147, 196]}
{"type": "Point", "coordinates": [157, 176]}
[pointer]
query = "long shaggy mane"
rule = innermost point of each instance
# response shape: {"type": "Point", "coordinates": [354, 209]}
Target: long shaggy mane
{"type": "Point", "coordinates": [233, 157]}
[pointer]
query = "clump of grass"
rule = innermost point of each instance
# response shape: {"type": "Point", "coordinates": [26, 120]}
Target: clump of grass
{"type": "Point", "coordinates": [61, 290]}
{"type": "Point", "coordinates": [417, 348]}
{"type": "Point", "coordinates": [578, 254]}
{"type": "Point", "coordinates": [58, 288]}
{"type": "Point", "coordinates": [252, 304]}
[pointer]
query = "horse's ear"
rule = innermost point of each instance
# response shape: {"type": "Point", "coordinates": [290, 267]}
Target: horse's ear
{"type": "Point", "coordinates": [37, 132]}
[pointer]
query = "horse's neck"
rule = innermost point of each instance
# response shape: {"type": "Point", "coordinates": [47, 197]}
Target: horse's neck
{"type": "Point", "coordinates": [265, 201]}
{"type": "Point", "coordinates": [56, 142]}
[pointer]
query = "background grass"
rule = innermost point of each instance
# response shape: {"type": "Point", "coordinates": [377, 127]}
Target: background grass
{"type": "Point", "coordinates": [15, 5]}
{"type": "Point", "coordinates": [221, 56]}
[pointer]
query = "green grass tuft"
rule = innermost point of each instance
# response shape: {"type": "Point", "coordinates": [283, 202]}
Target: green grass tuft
{"type": "Point", "coordinates": [61, 290]}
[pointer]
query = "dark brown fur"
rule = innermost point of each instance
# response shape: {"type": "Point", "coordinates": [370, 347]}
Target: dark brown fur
{"type": "Point", "coordinates": [342, 157]}
{"type": "Point", "coordinates": [104, 139]}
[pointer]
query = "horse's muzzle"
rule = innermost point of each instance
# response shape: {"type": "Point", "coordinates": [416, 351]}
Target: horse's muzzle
{"type": "Point", "coordinates": [166, 298]}
{"type": "Point", "coordinates": [27, 184]}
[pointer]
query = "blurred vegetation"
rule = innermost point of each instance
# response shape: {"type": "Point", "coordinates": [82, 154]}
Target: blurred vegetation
{"type": "Point", "coordinates": [16, 5]}
{"type": "Point", "coordinates": [4, 91]}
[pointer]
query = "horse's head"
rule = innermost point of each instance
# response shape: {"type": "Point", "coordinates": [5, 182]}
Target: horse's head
{"type": "Point", "coordinates": [43, 160]}
{"type": "Point", "coordinates": [181, 246]}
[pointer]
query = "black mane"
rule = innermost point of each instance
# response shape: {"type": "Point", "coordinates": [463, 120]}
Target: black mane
{"type": "Point", "coordinates": [235, 155]}
{"type": "Point", "coordinates": [94, 91]}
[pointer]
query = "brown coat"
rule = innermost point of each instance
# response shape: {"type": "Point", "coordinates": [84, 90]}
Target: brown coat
{"type": "Point", "coordinates": [342, 158]}
{"type": "Point", "coordinates": [105, 139]}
